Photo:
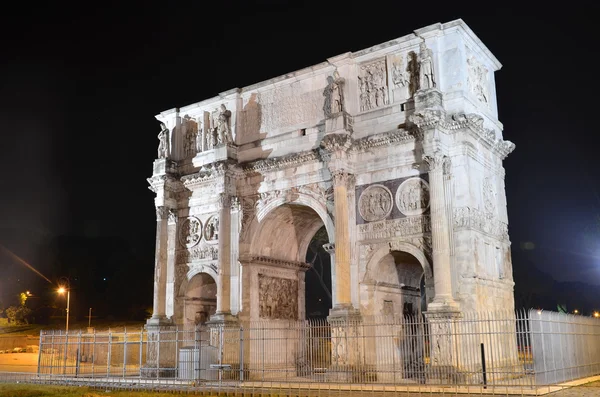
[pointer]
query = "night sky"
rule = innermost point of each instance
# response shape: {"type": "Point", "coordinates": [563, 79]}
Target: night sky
{"type": "Point", "coordinates": [79, 89]}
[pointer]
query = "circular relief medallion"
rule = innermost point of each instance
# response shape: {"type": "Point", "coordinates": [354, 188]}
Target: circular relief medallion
{"type": "Point", "coordinates": [190, 233]}
{"type": "Point", "coordinates": [412, 196]}
{"type": "Point", "coordinates": [375, 203]}
{"type": "Point", "coordinates": [211, 229]}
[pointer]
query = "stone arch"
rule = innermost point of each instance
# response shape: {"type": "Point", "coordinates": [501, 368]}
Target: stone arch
{"type": "Point", "coordinates": [402, 246]}
{"type": "Point", "coordinates": [305, 200]}
{"type": "Point", "coordinates": [300, 218]}
{"type": "Point", "coordinates": [399, 276]}
{"type": "Point", "coordinates": [199, 298]}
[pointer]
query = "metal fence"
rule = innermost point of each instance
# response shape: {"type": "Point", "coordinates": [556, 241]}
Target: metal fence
{"type": "Point", "coordinates": [521, 350]}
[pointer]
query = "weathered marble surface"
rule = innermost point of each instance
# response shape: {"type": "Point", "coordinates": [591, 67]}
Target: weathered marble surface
{"type": "Point", "coordinates": [394, 149]}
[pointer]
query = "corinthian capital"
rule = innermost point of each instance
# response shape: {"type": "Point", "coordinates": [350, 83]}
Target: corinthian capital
{"type": "Point", "coordinates": [224, 201]}
{"type": "Point", "coordinates": [437, 162]}
{"type": "Point", "coordinates": [343, 178]}
{"type": "Point", "coordinates": [162, 213]}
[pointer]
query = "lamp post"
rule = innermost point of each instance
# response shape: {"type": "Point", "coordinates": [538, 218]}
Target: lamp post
{"type": "Point", "coordinates": [62, 290]}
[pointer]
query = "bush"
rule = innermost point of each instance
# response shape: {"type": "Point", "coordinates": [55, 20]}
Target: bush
{"type": "Point", "coordinates": [18, 314]}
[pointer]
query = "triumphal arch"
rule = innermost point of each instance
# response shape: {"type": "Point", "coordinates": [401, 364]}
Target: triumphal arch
{"type": "Point", "coordinates": [396, 150]}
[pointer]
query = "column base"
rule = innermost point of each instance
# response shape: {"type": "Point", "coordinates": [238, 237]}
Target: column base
{"type": "Point", "coordinates": [443, 305]}
{"type": "Point", "coordinates": [222, 318]}
{"type": "Point", "coordinates": [344, 313]}
{"type": "Point", "coordinates": [158, 321]}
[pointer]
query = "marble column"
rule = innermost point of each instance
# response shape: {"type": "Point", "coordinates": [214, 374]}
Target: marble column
{"type": "Point", "coordinates": [224, 272]}
{"type": "Point", "coordinates": [440, 235]}
{"type": "Point", "coordinates": [170, 276]}
{"type": "Point", "coordinates": [341, 182]}
{"type": "Point", "coordinates": [160, 265]}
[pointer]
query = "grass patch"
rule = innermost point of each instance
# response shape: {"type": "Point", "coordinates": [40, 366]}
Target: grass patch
{"type": "Point", "coordinates": [25, 390]}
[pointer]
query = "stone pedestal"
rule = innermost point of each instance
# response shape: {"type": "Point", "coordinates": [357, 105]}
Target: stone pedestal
{"type": "Point", "coordinates": [164, 166]}
{"type": "Point", "coordinates": [347, 347]}
{"type": "Point", "coordinates": [339, 123]}
{"type": "Point", "coordinates": [428, 99]}
{"type": "Point", "coordinates": [444, 367]}
{"type": "Point", "coordinates": [216, 154]}
{"type": "Point", "coordinates": [161, 359]}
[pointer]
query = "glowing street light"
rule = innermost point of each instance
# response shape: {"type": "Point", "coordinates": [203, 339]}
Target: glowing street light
{"type": "Point", "coordinates": [575, 311]}
{"type": "Point", "coordinates": [597, 314]}
{"type": "Point", "coordinates": [61, 290]}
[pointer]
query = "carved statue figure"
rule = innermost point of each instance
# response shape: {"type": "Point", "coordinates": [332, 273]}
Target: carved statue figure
{"type": "Point", "coordinates": [223, 130]}
{"type": "Point", "coordinates": [198, 137]}
{"type": "Point", "coordinates": [334, 95]}
{"type": "Point", "coordinates": [163, 139]}
{"type": "Point", "coordinates": [412, 68]}
{"type": "Point", "coordinates": [426, 78]}
{"type": "Point", "coordinates": [211, 232]}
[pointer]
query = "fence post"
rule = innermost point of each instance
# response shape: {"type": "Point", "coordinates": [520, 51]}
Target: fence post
{"type": "Point", "coordinates": [66, 351]}
{"type": "Point", "coordinates": [108, 354]}
{"type": "Point", "coordinates": [158, 354]}
{"type": "Point", "coordinates": [40, 352]}
{"type": "Point", "coordinates": [93, 352]}
{"type": "Point", "coordinates": [78, 358]}
{"type": "Point", "coordinates": [241, 353]}
{"type": "Point", "coordinates": [124, 351]}
{"type": "Point", "coordinates": [141, 347]}
{"type": "Point", "coordinates": [483, 366]}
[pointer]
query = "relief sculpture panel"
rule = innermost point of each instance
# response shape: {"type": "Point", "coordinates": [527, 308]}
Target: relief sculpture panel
{"type": "Point", "coordinates": [375, 203]}
{"type": "Point", "coordinates": [412, 196]}
{"type": "Point", "coordinates": [190, 232]}
{"type": "Point", "coordinates": [373, 85]}
{"type": "Point", "coordinates": [278, 298]}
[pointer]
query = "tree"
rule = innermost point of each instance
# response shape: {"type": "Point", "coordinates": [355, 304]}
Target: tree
{"type": "Point", "coordinates": [18, 314]}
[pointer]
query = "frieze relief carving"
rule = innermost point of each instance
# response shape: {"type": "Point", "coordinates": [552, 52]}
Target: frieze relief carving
{"type": "Point", "coordinates": [472, 218]}
{"type": "Point", "coordinates": [477, 80]}
{"type": "Point", "coordinates": [190, 232]}
{"type": "Point", "coordinates": [399, 75]}
{"type": "Point", "coordinates": [412, 196]}
{"type": "Point", "coordinates": [197, 253]}
{"type": "Point", "coordinates": [375, 203]}
{"type": "Point", "coordinates": [211, 229]}
{"type": "Point", "coordinates": [278, 298]}
{"type": "Point", "coordinates": [372, 85]}
{"type": "Point", "coordinates": [489, 196]}
{"type": "Point", "coordinates": [395, 227]}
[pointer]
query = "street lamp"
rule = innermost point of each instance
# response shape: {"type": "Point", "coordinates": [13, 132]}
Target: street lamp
{"type": "Point", "coordinates": [62, 290]}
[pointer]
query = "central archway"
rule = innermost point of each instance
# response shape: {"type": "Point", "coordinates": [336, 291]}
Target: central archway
{"type": "Point", "coordinates": [274, 267]}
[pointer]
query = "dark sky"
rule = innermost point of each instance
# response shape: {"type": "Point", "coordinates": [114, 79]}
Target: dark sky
{"type": "Point", "coordinates": [79, 89]}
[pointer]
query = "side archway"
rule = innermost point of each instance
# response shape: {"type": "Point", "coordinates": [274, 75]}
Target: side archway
{"type": "Point", "coordinates": [398, 280]}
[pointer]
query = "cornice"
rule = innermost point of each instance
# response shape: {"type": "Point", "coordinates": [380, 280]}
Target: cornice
{"type": "Point", "coordinates": [290, 160]}
{"type": "Point", "coordinates": [386, 138]}
{"type": "Point", "coordinates": [207, 173]}
{"type": "Point", "coordinates": [431, 118]}
{"type": "Point", "coordinates": [165, 181]}
{"type": "Point", "coordinates": [268, 261]}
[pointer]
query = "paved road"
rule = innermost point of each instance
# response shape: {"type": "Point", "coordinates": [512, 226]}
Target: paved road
{"type": "Point", "coordinates": [18, 362]}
